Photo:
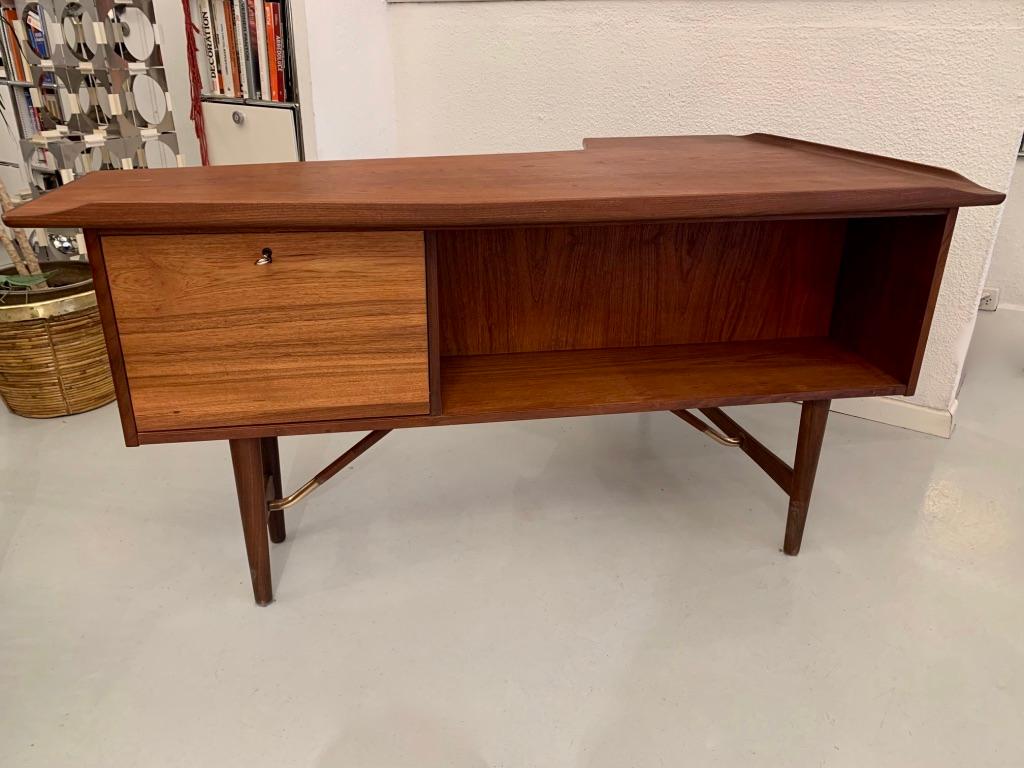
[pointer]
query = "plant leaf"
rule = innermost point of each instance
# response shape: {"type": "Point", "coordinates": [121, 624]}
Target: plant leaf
{"type": "Point", "coordinates": [25, 281]}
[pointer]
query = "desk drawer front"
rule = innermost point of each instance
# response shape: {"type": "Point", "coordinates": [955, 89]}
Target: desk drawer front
{"type": "Point", "coordinates": [333, 326]}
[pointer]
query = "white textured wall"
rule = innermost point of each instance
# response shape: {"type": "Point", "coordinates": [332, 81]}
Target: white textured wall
{"type": "Point", "coordinates": [1007, 270]}
{"type": "Point", "coordinates": [350, 96]}
{"type": "Point", "coordinates": [938, 82]}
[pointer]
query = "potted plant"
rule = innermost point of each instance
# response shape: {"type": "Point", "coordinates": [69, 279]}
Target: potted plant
{"type": "Point", "coordinates": [53, 361]}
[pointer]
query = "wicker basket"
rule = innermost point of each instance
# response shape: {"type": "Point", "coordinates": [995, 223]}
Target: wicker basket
{"type": "Point", "coordinates": [53, 361]}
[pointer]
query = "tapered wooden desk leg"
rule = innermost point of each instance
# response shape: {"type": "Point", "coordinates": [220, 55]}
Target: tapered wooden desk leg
{"type": "Point", "coordinates": [251, 483]}
{"type": "Point", "coordinates": [272, 468]}
{"type": "Point", "coordinates": [813, 416]}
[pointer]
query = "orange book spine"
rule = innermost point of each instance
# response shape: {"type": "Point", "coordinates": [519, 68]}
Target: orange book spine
{"type": "Point", "coordinates": [268, 12]}
{"type": "Point", "coordinates": [17, 62]}
{"type": "Point", "coordinates": [282, 87]}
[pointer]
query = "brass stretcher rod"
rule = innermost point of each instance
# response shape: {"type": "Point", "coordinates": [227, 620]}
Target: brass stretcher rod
{"type": "Point", "coordinates": [707, 429]}
{"type": "Point", "coordinates": [778, 470]}
{"type": "Point", "coordinates": [773, 466]}
{"type": "Point", "coordinates": [329, 471]}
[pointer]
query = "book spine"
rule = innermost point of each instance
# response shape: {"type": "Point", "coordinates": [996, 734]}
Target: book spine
{"type": "Point", "coordinates": [212, 77]}
{"type": "Point", "coordinates": [232, 51]}
{"type": "Point", "coordinates": [260, 19]}
{"type": "Point", "coordinates": [16, 65]}
{"type": "Point", "coordinates": [271, 50]}
{"type": "Point", "coordinates": [251, 44]}
{"type": "Point", "coordinates": [24, 118]}
{"type": "Point", "coordinates": [216, 48]}
{"type": "Point", "coordinates": [279, 47]}
{"type": "Point", "coordinates": [10, 49]}
{"type": "Point", "coordinates": [239, 31]}
{"type": "Point", "coordinates": [31, 124]}
{"type": "Point", "coordinates": [34, 29]}
{"type": "Point", "coordinates": [223, 58]}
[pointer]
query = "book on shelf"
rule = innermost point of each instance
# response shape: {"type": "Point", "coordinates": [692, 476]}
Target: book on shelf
{"type": "Point", "coordinates": [252, 64]}
{"type": "Point", "coordinates": [268, 23]}
{"type": "Point", "coordinates": [15, 63]}
{"type": "Point", "coordinates": [241, 47]}
{"type": "Point", "coordinates": [275, 40]}
{"type": "Point", "coordinates": [220, 87]}
{"type": "Point", "coordinates": [221, 25]}
{"type": "Point", "coordinates": [34, 31]}
{"type": "Point", "coordinates": [244, 48]}
{"type": "Point", "coordinates": [202, 17]}
{"type": "Point", "coordinates": [259, 23]}
{"type": "Point", "coordinates": [233, 51]}
{"type": "Point", "coordinates": [28, 114]}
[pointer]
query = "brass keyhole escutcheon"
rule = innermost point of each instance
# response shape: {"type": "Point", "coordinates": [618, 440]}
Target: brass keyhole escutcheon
{"type": "Point", "coordinates": [266, 257]}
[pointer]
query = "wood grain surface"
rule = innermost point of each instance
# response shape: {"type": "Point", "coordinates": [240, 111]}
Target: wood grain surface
{"type": "Point", "coordinates": [657, 378]}
{"type": "Point", "coordinates": [889, 281]}
{"type": "Point", "coordinates": [685, 178]}
{"type": "Point", "coordinates": [813, 418]}
{"type": "Point", "coordinates": [334, 327]}
{"type": "Point", "coordinates": [539, 385]}
{"type": "Point", "coordinates": [548, 288]}
{"type": "Point", "coordinates": [115, 355]}
{"type": "Point", "coordinates": [247, 463]}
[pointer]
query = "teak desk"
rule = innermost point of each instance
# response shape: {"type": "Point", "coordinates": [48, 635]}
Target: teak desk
{"type": "Point", "coordinates": [673, 273]}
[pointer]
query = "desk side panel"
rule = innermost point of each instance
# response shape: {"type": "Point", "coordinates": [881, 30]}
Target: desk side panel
{"type": "Point", "coordinates": [888, 283]}
{"type": "Point", "coordinates": [108, 320]}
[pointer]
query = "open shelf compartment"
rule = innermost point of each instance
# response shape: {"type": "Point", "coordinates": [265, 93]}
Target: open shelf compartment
{"type": "Point", "coordinates": [620, 318]}
{"type": "Point", "coordinates": [665, 377]}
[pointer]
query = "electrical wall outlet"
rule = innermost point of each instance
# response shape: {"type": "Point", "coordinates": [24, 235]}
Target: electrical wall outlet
{"type": "Point", "coordinates": [989, 299]}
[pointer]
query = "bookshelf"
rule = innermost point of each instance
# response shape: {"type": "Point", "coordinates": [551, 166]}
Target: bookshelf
{"type": "Point", "coordinates": [247, 109]}
{"type": "Point", "coordinates": [86, 89]}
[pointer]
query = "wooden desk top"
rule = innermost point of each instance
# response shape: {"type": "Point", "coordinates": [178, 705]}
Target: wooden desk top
{"type": "Point", "coordinates": [611, 180]}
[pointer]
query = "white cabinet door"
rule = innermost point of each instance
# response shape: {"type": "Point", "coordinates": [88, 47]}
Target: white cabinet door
{"type": "Point", "coordinates": [241, 134]}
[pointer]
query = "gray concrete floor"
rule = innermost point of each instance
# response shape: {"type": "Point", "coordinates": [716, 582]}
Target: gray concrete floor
{"type": "Point", "coordinates": [600, 592]}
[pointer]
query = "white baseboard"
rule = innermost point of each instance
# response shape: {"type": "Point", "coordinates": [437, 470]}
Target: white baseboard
{"type": "Point", "coordinates": [900, 413]}
{"type": "Point", "coordinates": [1011, 306]}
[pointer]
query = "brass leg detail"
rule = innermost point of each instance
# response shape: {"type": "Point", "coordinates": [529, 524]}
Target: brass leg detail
{"type": "Point", "coordinates": [714, 434]}
{"type": "Point", "coordinates": [329, 471]}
